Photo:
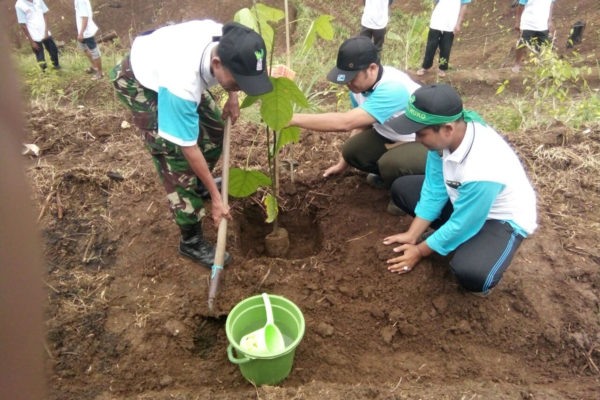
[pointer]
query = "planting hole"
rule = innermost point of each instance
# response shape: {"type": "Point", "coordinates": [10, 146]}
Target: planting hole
{"type": "Point", "coordinates": [206, 333]}
{"type": "Point", "coordinates": [303, 231]}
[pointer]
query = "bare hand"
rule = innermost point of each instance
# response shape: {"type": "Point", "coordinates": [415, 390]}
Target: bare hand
{"type": "Point", "coordinates": [219, 210]}
{"type": "Point", "coordinates": [35, 46]}
{"type": "Point", "coordinates": [456, 29]}
{"type": "Point", "coordinates": [402, 238]}
{"type": "Point", "coordinates": [231, 108]}
{"type": "Point", "coordinates": [405, 262]}
{"type": "Point", "coordinates": [80, 38]}
{"type": "Point", "coordinates": [341, 166]}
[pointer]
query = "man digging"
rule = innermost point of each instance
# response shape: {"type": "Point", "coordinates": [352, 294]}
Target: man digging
{"type": "Point", "coordinates": [163, 81]}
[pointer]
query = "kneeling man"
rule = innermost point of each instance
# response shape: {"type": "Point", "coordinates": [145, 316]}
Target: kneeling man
{"type": "Point", "coordinates": [474, 193]}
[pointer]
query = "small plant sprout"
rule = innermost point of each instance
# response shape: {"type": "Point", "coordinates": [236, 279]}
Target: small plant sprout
{"type": "Point", "coordinates": [276, 110]}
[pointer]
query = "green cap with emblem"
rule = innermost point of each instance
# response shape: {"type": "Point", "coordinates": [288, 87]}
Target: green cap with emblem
{"type": "Point", "coordinates": [435, 104]}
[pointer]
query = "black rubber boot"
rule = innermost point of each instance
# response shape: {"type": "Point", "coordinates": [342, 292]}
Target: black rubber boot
{"type": "Point", "coordinates": [194, 246]}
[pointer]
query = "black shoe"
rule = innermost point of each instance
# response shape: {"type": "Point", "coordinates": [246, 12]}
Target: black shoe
{"type": "Point", "coordinates": [202, 191]}
{"type": "Point", "coordinates": [375, 181]}
{"type": "Point", "coordinates": [194, 246]}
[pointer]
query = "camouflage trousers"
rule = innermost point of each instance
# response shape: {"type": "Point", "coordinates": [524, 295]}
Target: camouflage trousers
{"type": "Point", "coordinates": [175, 172]}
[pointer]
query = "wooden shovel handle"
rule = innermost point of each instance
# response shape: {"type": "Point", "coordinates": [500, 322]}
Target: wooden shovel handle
{"type": "Point", "coordinates": [222, 232]}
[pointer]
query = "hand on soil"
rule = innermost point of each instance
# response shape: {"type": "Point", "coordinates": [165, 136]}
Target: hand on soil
{"type": "Point", "coordinates": [405, 262]}
{"type": "Point", "coordinates": [341, 166]}
{"type": "Point", "coordinates": [401, 238]}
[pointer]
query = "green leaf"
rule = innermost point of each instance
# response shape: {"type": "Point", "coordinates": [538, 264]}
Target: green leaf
{"type": "Point", "coordinates": [267, 34]}
{"type": "Point", "coordinates": [243, 183]}
{"type": "Point", "coordinates": [267, 13]}
{"type": "Point", "coordinates": [246, 17]}
{"type": "Point", "coordinates": [287, 135]}
{"type": "Point", "coordinates": [272, 208]}
{"type": "Point", "coordinates": [276, 108]}
{"type": "Point", "coordinates": [248, 101]}
{"type": "Point", "coordinates": [322, 27]}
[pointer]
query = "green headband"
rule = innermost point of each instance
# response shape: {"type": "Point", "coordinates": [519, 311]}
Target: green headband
{"type": "Point", "coordinates": [424, 118]}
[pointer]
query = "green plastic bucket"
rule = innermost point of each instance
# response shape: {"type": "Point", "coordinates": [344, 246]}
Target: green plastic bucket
{"type": "Point", "coordinates": [248, 316]}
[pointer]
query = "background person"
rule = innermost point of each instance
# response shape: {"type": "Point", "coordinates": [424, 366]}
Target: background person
{"type": "Point", "coordinates": [534, 22]}
{"type": "Point", "coordinates": [377, 93]}
{"type": "Point", "coordinates": [86, 29]}
{"type": "Point", "coordinates": [374, 21]}
{"type": "Point", "coordinates": [162, 81]}
{"type": "Point", "coordinates": [30, 15]}
{"type": "Point", "coordinates": [446, 20]}
{"type": "Point", "coordinates": [475, 192]}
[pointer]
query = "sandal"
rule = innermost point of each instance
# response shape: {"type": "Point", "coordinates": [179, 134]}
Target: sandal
{"type": "Point", "coordinates": [441, 72]}
{"type": "Point", "coordinates": [90, 70]}
{"type": "Point", "coordinates": [421, 72]}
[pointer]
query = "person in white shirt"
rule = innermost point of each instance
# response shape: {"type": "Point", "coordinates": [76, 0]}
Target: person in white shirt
{"type": "Point", "coordinates": [378, 92]}
{"type": "Point", "coordinates": [86, 29]}
{"type": "Point", "coordinates": [164, 81]}
{"type": "Point", "coordinates": [446, 21]}
{"type": "Point", "coordinates": [374, 21]}
{"type": "Point", "coordinates": [474, 193]}
{"type": "Point", "coordinates": [30, 15]}
{"type": "Point", "coordinates": [534, 22]}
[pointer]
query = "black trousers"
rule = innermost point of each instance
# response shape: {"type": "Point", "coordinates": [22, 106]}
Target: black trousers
{"type": "Point", "coordinates": [436, 39]}
{"type": "Point", "coordinates": [478, 263]}
{"type": "Point", "coordinates": [377, 35]}
{"type": "Point", "coordinates": [52, 50]}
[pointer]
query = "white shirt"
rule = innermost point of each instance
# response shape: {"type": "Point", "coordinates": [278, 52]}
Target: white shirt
{"type": "Point", "coordinates": [388, 99]}
{"type": "Point", "coordinates": [485, 156]}
{"type": "Point", "coordinates": [375, 14]}
{"type": "Point", "coordinates": [445, 14]}
{"type": "Point", "coordinates": [165, 58]}
{"type": "Point", "coordinates": [535, 15]}
{"type": "Point", "coordinates": [31, 13]}
{"type": "Point", "coordinates": [174, 61]}
{"type": "Point", "coordinates": [83, 9]}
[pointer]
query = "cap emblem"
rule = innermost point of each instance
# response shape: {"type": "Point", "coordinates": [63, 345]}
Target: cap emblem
{"type": "Point", "coordinates": [259, 54]}
{"type": "Point", "coordinates": [341, 77]}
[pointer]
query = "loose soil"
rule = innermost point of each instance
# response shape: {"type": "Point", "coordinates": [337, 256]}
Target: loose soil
{"type": "Point", "coordinates": [127, 316]}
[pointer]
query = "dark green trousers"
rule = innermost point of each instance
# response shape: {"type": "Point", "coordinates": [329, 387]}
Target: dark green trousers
{"type": "Point", "coordinates": [367, 152]}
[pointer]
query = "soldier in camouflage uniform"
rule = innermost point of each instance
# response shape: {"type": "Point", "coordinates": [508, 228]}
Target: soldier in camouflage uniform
{"type": "Point", "coordinates": [164, 82]}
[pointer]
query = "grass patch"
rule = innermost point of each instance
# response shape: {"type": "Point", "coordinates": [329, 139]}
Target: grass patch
{"type": "Point", "coordinates": [70, 85]}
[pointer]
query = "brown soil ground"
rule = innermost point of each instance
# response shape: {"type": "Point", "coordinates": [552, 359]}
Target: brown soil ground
{"type": "Point", "coordinates": [127, 317]}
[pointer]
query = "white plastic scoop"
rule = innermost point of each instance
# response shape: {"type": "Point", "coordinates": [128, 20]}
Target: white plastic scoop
{"type": "Point", "coordinates": [266, 340]}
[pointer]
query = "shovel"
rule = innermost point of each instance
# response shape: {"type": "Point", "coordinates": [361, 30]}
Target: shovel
{"type": "Point", "coordinates": [267, 340]}
{"type": "Point", "coordinates": [217, 267]}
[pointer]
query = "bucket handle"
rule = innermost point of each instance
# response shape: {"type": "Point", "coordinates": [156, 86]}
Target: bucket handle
{"type": "Point", "coordinates": [233, 359]}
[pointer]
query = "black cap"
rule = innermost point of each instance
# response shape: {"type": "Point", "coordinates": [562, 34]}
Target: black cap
{"type": "Point", "coordinates": [437, 99]}
{"type": "Point", "coordinates": [355, 54]}
{"type": "Point", "coordinates": [242, 51]}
